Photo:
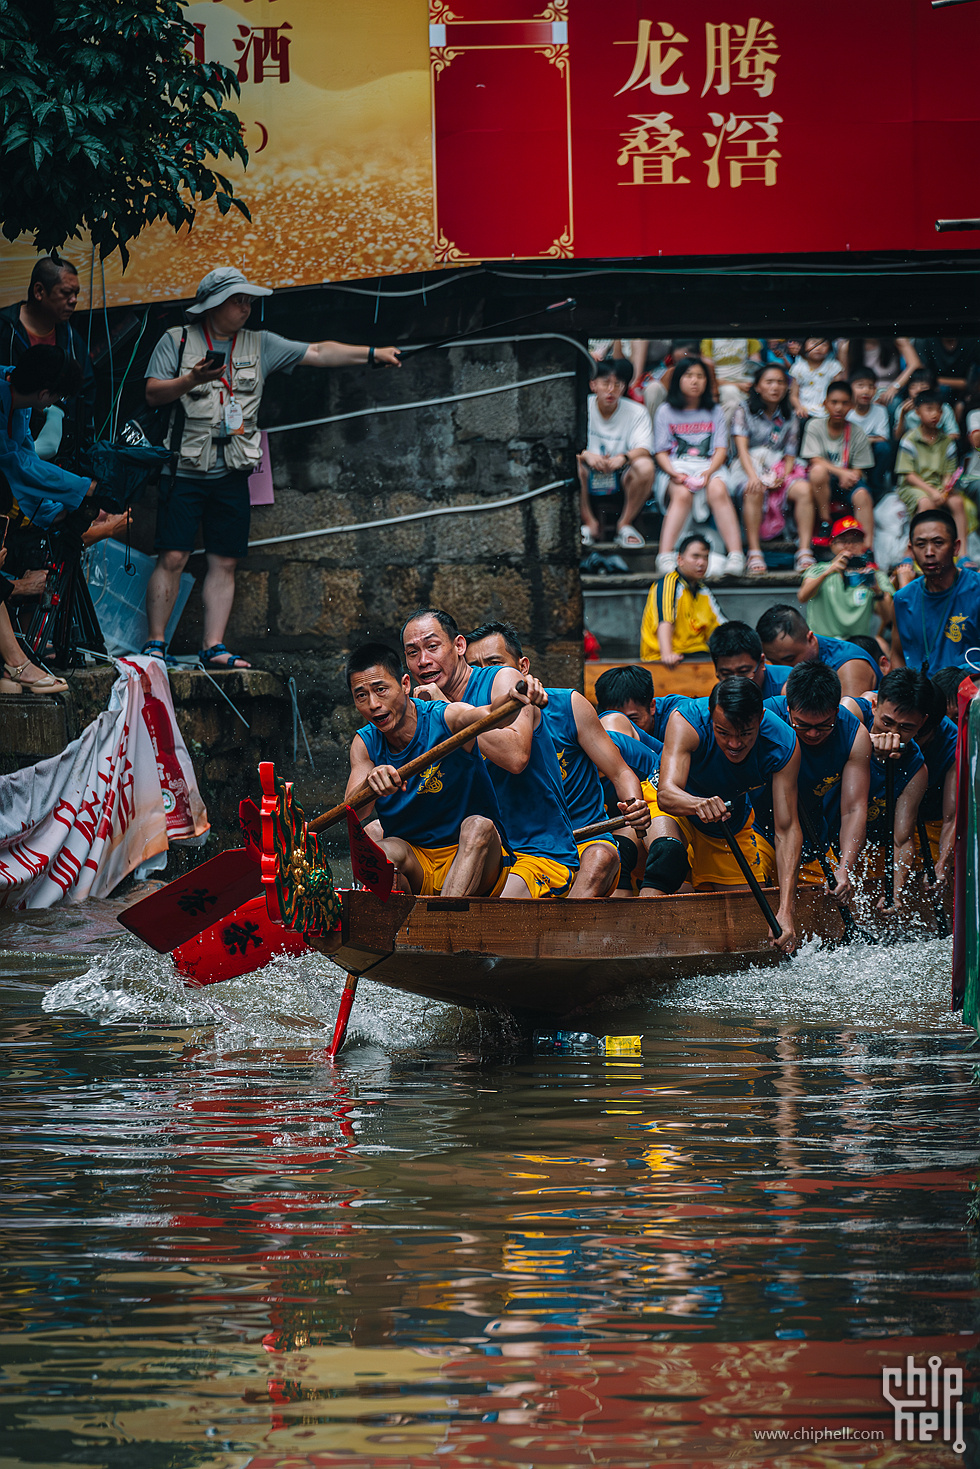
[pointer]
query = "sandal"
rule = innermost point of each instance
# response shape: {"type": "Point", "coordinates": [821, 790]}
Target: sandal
{"type": "Point", "coordinates": [157, 648]}
{"type": "Point", "coordinates": [8, 686]}
{"type": "Point", "coordinates": [588, 539]}
{"type": "Point", "coordinates": [46, 684]}
{"type": "Point", "coordinates": [210, 658]}
{"type": "Point", "coordinates": [629, 538]}
{"type": "Point", "coordinates": [804, 559]}
{"type": "Point", "coordinates": [755, 564]}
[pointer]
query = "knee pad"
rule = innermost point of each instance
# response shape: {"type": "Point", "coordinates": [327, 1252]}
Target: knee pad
{"type": "Point", "coordinates": [667, 866]}
{"type": "Point", "coordinates": [628, 852]}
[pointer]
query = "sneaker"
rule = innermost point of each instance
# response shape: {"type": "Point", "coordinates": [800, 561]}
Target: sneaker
{"type": "Point", "coordinates": [666, 562]}
{"type": "Point", "coordinates": [735, 564]}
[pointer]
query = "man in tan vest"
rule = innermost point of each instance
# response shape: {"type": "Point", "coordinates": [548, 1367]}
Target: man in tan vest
{"type": "Point", "coordinates": [215, 369]}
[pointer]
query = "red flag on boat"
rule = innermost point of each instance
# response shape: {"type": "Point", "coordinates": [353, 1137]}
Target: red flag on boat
{"type": "Point", "coordinates": [368, 861]}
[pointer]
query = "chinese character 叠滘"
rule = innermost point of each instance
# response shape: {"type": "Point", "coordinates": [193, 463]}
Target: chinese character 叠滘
{"type": "Point", "coordinates": [655, 147]}
{"type": "Point", "coordinates": [268, 50]}
{"type": "Point", "coordinates": [740, 56]}
{"type": "Point", "coordinates": [741, 137]}
{"type": "Point", "coordinates": [654, 59]}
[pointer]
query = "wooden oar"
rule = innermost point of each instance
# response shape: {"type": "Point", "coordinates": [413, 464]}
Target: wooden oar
{"type": "Point", "coordinates": [343, 1016]}
{"type": "Point", "coordinates": [364, 795]}
{"type": "Point", "coordinates": [851, 929]}
{"type": "Point", "coordinates": [890, 834]}
{"type": "Point", "coordinates": [929, 868]}
{"type": "Point", "coordinates": [752, 880]}
{"type": "Point", "coordinates": [599, 828]}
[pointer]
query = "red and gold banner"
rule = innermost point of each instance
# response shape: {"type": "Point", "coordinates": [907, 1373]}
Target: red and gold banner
{"type": "Point", "coordinates": [391, 136]}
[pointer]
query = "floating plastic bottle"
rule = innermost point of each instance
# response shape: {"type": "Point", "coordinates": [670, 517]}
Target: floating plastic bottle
{"type": "Point", "coordinates": [583, 1043]}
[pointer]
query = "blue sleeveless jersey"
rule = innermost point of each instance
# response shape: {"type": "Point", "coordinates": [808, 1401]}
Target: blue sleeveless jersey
{"type": "Point", "coordinates": [940, 754]}
{"type": "Point", "coordinates": [836, 651]}
{"type": "Point", "coordinates": [531, 804]}
{"type": "Point", "coordinates": [712, 774]}
{"type": "Point", "coordinates": [774, 677]}
{"type": "Point", "coordinates": [937, 628]}
{"type": "Point", "coordinates": [905, 768]}
{"type": "Point", "coordinates": [430, 811]}
{"type": "Point", "coordinates": [652, 742]}
{"type": "Point", "coordinates": [579, 777]}
{"type": "Point", "coordinates": [819, 781]}
{"type": "Point", "coordinates": [666, 704]}
{"type": "Point", "coordinates": [641, 759]}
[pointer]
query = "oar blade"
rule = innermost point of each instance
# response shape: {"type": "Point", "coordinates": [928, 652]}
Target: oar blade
{"type": "Point", "coordinates": [186, 907]}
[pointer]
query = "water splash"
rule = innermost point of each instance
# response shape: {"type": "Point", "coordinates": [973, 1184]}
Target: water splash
{"type": "Point", "coordinates": [292, 1000]}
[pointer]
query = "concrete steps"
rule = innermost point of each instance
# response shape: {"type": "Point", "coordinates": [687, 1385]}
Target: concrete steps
{"type": "Point", "coordinates": [613, 604]}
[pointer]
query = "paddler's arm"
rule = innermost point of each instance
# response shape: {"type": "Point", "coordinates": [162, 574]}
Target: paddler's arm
{"type": "Point", "coordinates": [362, 768]}
{"type": "Point", "coordinates": [906, 810]}
{"type": "Point", "coordinates": [788, 843]}
{"type": "Point", "coordinates": [948, 834]}
{"type": "Point", "coordinates": [855, 787]}
{"type": "Point", "coordinates": [675, 767]}
{"type": "Point", "coordinates": [618, 723]}
{"type": "Point", "coordinates": [510, 748]}
{"type": "Point", "coordinates": [896, 654]}
{"type": "Point", "coordinates": [458, 716]}
{"type": "Point", "coordinates": [610, 763]}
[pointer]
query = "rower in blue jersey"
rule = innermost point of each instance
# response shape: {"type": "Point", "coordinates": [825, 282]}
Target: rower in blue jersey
{"type": "Point", "coordinates": [524, 769]}
{"type": "Point", "coordinates": [937, 616]}
{"type": "Point", "coordinates": [584, 753]}
{"type": "Point", "coordinates": [626, 702]}
{"type": "Point", "coordinates": [644, 761]}
{"type": "Point", "coordinates": [787, 639]}
{"type": "Point", "coordinates": [937, 741]}
{"type": "Point", "coordinates": [442, 829]}
{"type": "Point", "coordinates": [717, 753]}
{"type": "Point", "coordinates": [835, 773]}
{"type": "Point", "coordinates": [894, 718]}
{"type": "Point", "coordinates": [736, 652]}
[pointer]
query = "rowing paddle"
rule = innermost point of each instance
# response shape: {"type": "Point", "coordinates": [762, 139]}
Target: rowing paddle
{"type": "Point", "coordinates": [929, 868]}
{"type": "Point", "coordinates": [890, 834]}
{"type": "Point", "coordinates": [174, 914]}
{"type": "Point", "coordinates": [751, 879]}
{"type": "Point", "coordinates": [363, 795]}
{"type": "Point", "coordinates": [851, 930]}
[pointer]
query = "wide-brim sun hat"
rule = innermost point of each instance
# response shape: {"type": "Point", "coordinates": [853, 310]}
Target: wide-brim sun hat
{"type": "Point", "coordinates": [218, 285]}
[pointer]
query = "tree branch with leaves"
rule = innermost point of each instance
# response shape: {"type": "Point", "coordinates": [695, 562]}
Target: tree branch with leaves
{"type": "Point", "coordinates": [108, 123]}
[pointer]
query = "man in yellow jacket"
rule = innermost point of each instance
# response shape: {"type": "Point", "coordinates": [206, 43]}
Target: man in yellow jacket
{"type": "Point", "coordinates": [680, 614]}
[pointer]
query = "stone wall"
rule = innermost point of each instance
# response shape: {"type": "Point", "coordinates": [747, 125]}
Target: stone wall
{"type": "Point", "coordinates": [302, 605]}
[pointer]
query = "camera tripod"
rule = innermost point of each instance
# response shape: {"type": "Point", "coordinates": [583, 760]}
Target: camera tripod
{"type": "Point", "coordinates": [65, 614]}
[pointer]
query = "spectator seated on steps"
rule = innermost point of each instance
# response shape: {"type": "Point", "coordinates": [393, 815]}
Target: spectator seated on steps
{"type": "Point", "coordinates": [765, 476]}
{"type": "Point", "coordinates": [871, 416]}
{"type": "Point", "coordinates": [691, 446]}
{"type": "Point", "coordinates": [618, 456]}
{"type": "Point", "coordinates": [680, 614]}
{"type": "Point", "coordinates": [837, 453]}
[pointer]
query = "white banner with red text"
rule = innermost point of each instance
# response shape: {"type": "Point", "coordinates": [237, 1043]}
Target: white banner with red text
{"type": "Point", "coordinates": [75, 825]}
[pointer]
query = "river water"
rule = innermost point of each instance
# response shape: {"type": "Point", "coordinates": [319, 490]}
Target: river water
{"type": "Point", "coordinates": [447, 1250]}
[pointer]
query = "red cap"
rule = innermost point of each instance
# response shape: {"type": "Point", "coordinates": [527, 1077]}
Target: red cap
{"type": "Point", "coordinates": [846, 523]}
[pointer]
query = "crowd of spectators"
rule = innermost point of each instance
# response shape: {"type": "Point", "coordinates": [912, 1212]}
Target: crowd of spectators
{"type": "Point", "coordinates": [813, 454]}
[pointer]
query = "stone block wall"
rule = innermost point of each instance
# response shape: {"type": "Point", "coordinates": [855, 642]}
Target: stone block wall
{"type": "Point", "coordinates": [303, 604]}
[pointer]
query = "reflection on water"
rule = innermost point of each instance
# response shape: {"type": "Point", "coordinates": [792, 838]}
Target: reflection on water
{"type": "Point", "coordinates": [218, 1251]}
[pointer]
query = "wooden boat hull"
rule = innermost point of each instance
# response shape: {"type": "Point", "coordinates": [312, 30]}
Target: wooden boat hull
{"type": "Point", "coordinates": [550, 959]}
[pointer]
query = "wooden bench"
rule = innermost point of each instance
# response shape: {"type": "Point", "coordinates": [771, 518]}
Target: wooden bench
{"type": "Point", "coordinates": [694, 677]}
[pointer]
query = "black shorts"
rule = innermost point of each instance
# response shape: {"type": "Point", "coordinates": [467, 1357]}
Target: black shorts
{"type": "Point", "coordinates": [220, 506]}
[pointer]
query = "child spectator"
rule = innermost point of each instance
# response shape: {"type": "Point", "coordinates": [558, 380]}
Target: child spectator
{"type": "Point", "coordinates": [812, 374]}
{"type": "Point", "coordinates": [954, 363]}
{"type": "Point", "coordinates": [969, 483]}
{"type": "Point", "coordinates": [873, 418]}
{"type": "Point", "coordinates": [838, 452]}
{"type": "Point", "coordinates": [923, 380]}
{"type": "Point", "coordinates": [618, 457]}
{"type": "Point", "coordinates": [843, 597]}
{"type": "Point", "coordinates": [690, 443]}
{"type": "Point", "coordinates": [735, 360]}
{"type": "Point", "coordinates": [781, 351]}
{"type": "Point", "coordinates": [766, 475]}
{"type": "Point", "coordinates": [892, 360]}
{"type": "Point", "coordinates": [680, 614]}
{"type": "Point", "coordinates": [926, 465]}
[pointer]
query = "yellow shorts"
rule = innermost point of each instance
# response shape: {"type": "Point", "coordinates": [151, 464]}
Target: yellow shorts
{"type": "Point", "coordinates": [649, 793]}
{"type": "Point", "coordinates": [934, 832]}
{"type": "Point", "coordinates": [435, 863]}
{"type": "Point", "coordinates": [811, 873]}
{"type": "Point", "coordinates": [711, 859]}
{"type": "Point", "coordinates": [544, 877]}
